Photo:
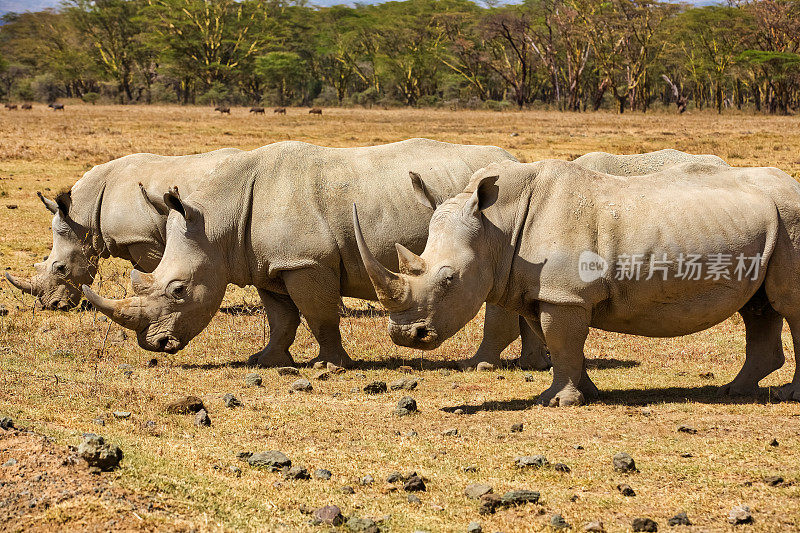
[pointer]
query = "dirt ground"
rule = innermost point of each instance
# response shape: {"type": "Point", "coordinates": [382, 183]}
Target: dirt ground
{"type": "Point", "coordinates": [62, 372]}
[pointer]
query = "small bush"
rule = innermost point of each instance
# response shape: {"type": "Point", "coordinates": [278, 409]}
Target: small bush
{"type": "Point", "coordinates": [91, 98]}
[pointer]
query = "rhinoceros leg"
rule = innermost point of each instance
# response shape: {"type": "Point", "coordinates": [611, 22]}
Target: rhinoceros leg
{"type": "Point", "coordinates": [565, 329]}
{"type": "Point", "coordinates": [534, 354]}
{"type": "Point", "coordinates": [791, 391]}
{"type": "Point", "coordinates": [315, 291]}
{"type": "Point", "coordinates": [763, 349]}
{"type": "Point", "coordinates": [283, 318]}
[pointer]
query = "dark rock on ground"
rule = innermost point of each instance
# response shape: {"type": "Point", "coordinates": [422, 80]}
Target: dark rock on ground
{"type": "Point", "coordinates": [452, 432]}
{"type": "Point", "coordinates": [95, 451]}
{"type": "Point", "coordinates": [594, 527]}
{"type": "Point", "coordinates": [201, 419]}
{"type": "Point", "coordinates": [476, 490]}
{"type": "Point", "coordinates": [376, 387]}
{"type": "Point", "coordinates": [687, 429]}
{"type": "Point", "coordinates": [624, 463]}
{"type": "Point", "coordinates": [367, 480]}
{"type": "Point", "coordinates": [322, 473]}
{"type": "Point", "coordinates": [296, 472]}
{"type": "Point", "coordinates": [288, 371]}
{"type": "Point", "coordinates": [561, 467]}
{"type": "Point", "coordinates": [394, 477]}
{"type": "Point", "coordinates": [403, 384]}
{"type": "Point", "coordinates": [680, 519]}
{"type": "Point", "coordinates": [6, 423]}
{"type": "Point", "coordinates": [347, 490]}
{"type": "Point", "coordinates": [323, 376]}
{"type": "Point", "coordinates": [413, 498]}
{"type": "Point", "coordinates": [740, 515]}
{"type": "Point", "coordinates": [271, 460]}
{"type": "Point", "coordinates": [644, 524]}
{"type": "Point", "coordinates": [773, 481]}
{"type": "Point", "coordinates": [408, 403]}
{"type": "Point", "coordinates": [773, 442]}
{"type": "Point", "coordinates": [253, 380]}
{"type": "Point", "coordinates": [516, 428]}
{"type": "Point", "coordinates": [534, 461]}
{"type": "Point", "coordinates": [122, 415]}
{"type": "Point", "coordinates": [361, 525]}
{"type": "Point", "coordinates": [474, 527]}
{"type": "Point", "coordinates": [329, 515]}
{"type": "Point", "coordinates": [626, 490]}
{"type": "Point", "coordinates": [557, 522]}
{"type": "Point", "coordinates": [414, 484]}
{"type": "Point", "coordinates": [231, 401]}
{"type": "Point", "coordinates": [490, 503]}
{"type": "Point", "coordinates": [302, 385]}
{"type": "Point", "coordinates": [518, 497]}
{"type": "Point", "coordinates": [400, 411]}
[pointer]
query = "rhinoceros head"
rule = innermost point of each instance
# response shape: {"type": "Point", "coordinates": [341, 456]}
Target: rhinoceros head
{"type": "Point", "coordinates": [434, 295]}
{"type": "Point", "coordinates": [177, 301]}
{"type": "Point", "coordinates": [71, 263]}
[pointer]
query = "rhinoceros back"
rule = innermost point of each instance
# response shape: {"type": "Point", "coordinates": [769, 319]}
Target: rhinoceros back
{"type": "Point", "coordinates": [640, 164]}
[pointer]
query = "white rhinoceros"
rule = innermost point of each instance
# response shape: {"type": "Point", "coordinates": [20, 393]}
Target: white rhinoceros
{"type": "Point", "coordinates": [661, 255]}
{"type": "Point", "coordinates": [105, 215]}
{"type": "Point", "coordinates": [637, 164]}
{"type": "Point", "coordinates": [278, 218]}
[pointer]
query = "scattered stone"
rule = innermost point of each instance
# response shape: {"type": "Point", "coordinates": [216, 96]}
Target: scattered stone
{"type": "Point", "coordinates": [518, 497]}
{"type": "Point", "coordinates": [128, 374]}
{"type": "Point", "coordinates": [407, 402]}
{"type": "Point", "coordinates": [296, 472]}
{"type": "Point", "coordinates": [687, 429]}
{"type": "Point", "coordinates": [334, 369]}
{"type": "Point", "coordinates": [624, 463]}
{"type": "Point", "coordinates": [489, 503]}
{"type": "Point", "coordinates": [376, 387]}
{"type": "Point", "coordinates": [152, 362]}
{"type": "Point", "coordinates": [458, 412]}
{"type": "Point", "coordinates": [594, 527]}
{"type": "Point", "coordinates": [302, 385]}
{"type": "Point", "coordinates": [561, 467]}
{"type": "Point", "coordinates": [322, 473]}
{"type": "Point", "coordinates": [474, 527]}
{"type": "Point", "coordinates": [514, 134]}
{"type": "Point", "coordinates": [271, 460]}
{"type": "Point", "coordinates": [529, 378]}
{"type": "Point", "coordinates": [740, 515]}
{"type": "Point", "coordinates": [6, 423]}
{"type": "Point", "coordinates": [626, 489]}
{"type": "Point", "coordinates": [122, 415]}
{"type": "Point", "coordinates": [773, 481]}
{"type": "Point", "coordinates": [347, 490]}
{"type": "Point", "coordinates": [774, 442]}
{"type": "Point", "coordinates": [401, 411]}
{"type": "Point", "coordinates": [253, 380]}
{"type": "Point", "coordinates": [414, 484]}
{"type": "Point", "coordinates": [184, 406]}
{"type": "Point", "coordinates": [516, 428]}
{"type": "Point", "coordinates": [483, 366]}
{"type": "Point", "coordinates": [470, 469]}
{"type": "Point", "coordinates": [394, 477]}
{"type": "Point", "coordinates": [319, 365]}
{"type": "Point", "coordinates": [476, 490]}
{"type": "Point", "coordinates": [98, 454]}
{"type": "Point", "coordinates": [578, 447]}
{"type": "Point", "coordinates": [231, 401]}
{"type": "Point", "coordinates": [201, 419]}
{"type": "Point", "coordinates": [329, 515]}
{"type": "Point", "coordinates": [405, 369]}
{"type": "Point", "coordinates": [10, 462]}
{"type": "Point", "coordinates": [235, 470]}
{"type": "Point", "coordinates": [287, 371]}
{"type": "Point", "coordinates": [367, 480]}
{"type": "Point", "coordinates": [361, 525]}
{"type": "Point", "coordinates": [680, 519]}
{"type": "Point", "coordinates": [706, 375]}
{"type": "Point", "coordinates": [99, 421]}
{"type": "Point", "coordinates": [452, 432]}
{"type": "Point", "coordinates": [323, 376]}
{"type": "Point", "coordinates": [403, 384]}
{"type": "Point", "coordinates": [557, 522]}
{"type": "Point", "coordinates": [413, 498]}
{"type": "Point", "coordinates": [644, 524]}
{"type": "Point", "coordinates": [244, 456]}
{"type": "Point", "coordinates": [534, 461]}
{"type": "Point", "coordinates": [686, 455]}
{"type": "Point", "coordinates": [3, 310]}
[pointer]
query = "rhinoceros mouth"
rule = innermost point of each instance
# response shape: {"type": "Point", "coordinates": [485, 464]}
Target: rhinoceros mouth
{"type": "Point", "coordinates": [419, 335]}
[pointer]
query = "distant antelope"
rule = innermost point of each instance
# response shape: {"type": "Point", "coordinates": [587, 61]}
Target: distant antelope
{"type": "Point", "coordinates": [223, 110]}
{"type": "Point", "coordinates": [11, 106]}
{"type": "Point", "coordinates": [257, 110]}
{"type": "Point", "coordinates": [315, 111]}
{"type": "Point", "coordinates": [27, 107]}
{"type": "Point", "coordinates": [279, 110]}
{"type": "Point", "coordinates": [57, 107]}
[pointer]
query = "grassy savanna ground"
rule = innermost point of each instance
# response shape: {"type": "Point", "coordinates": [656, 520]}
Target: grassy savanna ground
{"type": "Point", "coordinates": [60, 371]}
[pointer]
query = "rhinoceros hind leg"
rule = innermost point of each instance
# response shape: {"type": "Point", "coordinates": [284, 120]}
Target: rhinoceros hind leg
{"type": "Point", "coordinates": [565, 329]}
{"type": "Point", "coordinates": [763, 349]}
{"type": "Point", "coordinates": [535, 355]}
{"type": "Point", "coordinates": [500, 328]}
{"type": "Point", "coordinates": [315, 291]}
{"type": "Point", "coordinates": [791, 391]}
{"type": "Point", "coordinates": [283, 318]}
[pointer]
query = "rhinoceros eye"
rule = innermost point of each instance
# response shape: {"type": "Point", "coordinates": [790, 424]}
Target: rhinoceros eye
{"type": "Point", "coordinates": [446, 275]}
{"type": "Point", "coordinates": [176, 290]}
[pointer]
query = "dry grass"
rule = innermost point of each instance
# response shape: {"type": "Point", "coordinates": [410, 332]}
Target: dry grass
{"type": "Point", "coordinates": [650, 385]}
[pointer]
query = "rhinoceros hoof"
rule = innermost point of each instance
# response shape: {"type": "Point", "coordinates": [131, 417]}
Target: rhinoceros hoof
{"type": "Point", "coordinates": [540, 363]}
{"type": "Point", "coordinates": [568, 395]}
{"type": "Point", "coordinates": [736, 389]}
{"type": "Point", "coordinates": [342, 361]}
{"type": "Point", "coordinates": [789, 392]}
{"type": "Point", "coordinates": [266, 359]}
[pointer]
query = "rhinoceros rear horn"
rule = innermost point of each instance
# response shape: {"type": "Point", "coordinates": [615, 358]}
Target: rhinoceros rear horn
{"type": "Point", "coordinates": [20, 283]}
{"type": "Point", "coordinates": [410, 263]}
{"type": "Point", "coordinates": [127, 313]}
{"type": "Point", "coordinates": [391, 288]}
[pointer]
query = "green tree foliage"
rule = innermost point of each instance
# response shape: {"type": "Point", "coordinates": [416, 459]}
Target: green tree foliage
{"type": "Point", "coordinates": [570, 55]}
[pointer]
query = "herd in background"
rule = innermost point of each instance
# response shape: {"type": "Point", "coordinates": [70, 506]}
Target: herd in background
{"type": "Point", "coordinates": [450, 227]}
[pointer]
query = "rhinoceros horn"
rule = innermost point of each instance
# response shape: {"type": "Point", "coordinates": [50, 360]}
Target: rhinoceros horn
{"type": "Point", "coordinates": [127, 313]}
{"type": "Point", "coordinates": [410, 263]}
{"type": "Point", "coordinates": [20, 283]}
{"type": "Point", "coordinates": [391, 288]}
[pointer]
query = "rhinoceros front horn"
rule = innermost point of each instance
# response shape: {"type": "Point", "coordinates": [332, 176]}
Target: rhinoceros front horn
{"type": "Point", "coordinates": [391, 288]}
{"type": "Point", "coordinates": [22, 284]}
{"type": "Point", "coordinates": [127, 313]}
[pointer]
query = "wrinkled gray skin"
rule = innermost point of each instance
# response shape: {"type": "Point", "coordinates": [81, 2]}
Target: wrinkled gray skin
{"type": "Point", "coordinates": [278, 218]}
{"type": "Point", "coordinates": [638, 164]}
{"type": "Point", "coordinates": [105, 215]}
{"type": "Point", "coordinates": [515, 235]}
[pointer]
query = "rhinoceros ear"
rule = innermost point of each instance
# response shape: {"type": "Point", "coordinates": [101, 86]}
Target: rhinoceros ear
{"type": "Point", "coordinates": [153, 203]}
{"type": "Point", "coordinates": [64, 201]}
{"type": "Point", "coordinates": [485, 195]}
{"type": "Point", "coordinates": [48, 203]}
{"type": "Point", "coordinates": [421, 191]}
{"type": "Point", "coordinates": [173, 200]}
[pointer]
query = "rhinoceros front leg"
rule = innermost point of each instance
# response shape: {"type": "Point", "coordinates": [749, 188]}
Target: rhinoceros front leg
{"type": "Point", "coordinates": [284, 318]}
{"type": "Point", "coordinates": [565, 329]}
{"type": "Point", "coordinates": [500, 328]}
{"type": "Point", "coordinates": [763, 350]}
{"type": "Point", "coordinates": [315, 291]}
{"type": "Point", "coordinates": [791, 391]}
